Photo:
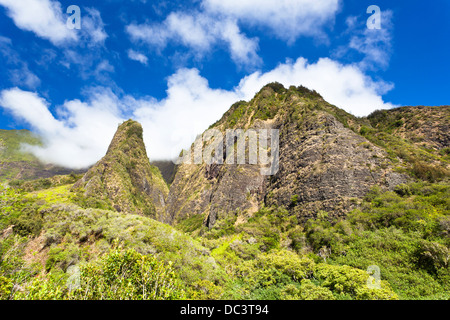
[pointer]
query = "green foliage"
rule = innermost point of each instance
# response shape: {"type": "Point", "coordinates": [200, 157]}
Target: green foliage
{"type": "Point", "coordinates": [364, 130]}
{"type": "Point", "coordinates": [128, 275]}
{"type": "Point", "coordinates": [6, 286]}
{"type": "Point", "coordinates": [265, 276]}
{"type": "Point", "coordinates": [428, 172]}
{"type": "Point", "coordinates": [119, 275]}
{"type": "Point", "coordinates": [191, 224]}
{"type": "Point", "coordinates": [238, 110]}
{"type": "Point", "coordinates": [205, 290]}
{"type": "Point", "coordinates": [45, 183]}
{"type": "Point", "coordinates": [347, 281]}
{"type": "Point", "coordinates": [401, 232]}
{"type": "Point", "coordinates": [307, 291]}
{"type": "Point", "coordinates": [405, 232]}
{"type": "Point", "coordinates": [19, 211]}
{"type": "Point", "coordinates": [11, 141]}
{"type": "Point", "coordinates": [62, 257]}
{"type": "Point", "coordinates": [134, 130]}
{"type": "Point", "coordinates": [294, 200]}
{"type": "Point", "coordinates": [311, 94]}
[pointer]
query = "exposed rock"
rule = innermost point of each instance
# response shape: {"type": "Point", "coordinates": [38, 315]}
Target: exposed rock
{"type": "Point", "coordinates": [323, 165]}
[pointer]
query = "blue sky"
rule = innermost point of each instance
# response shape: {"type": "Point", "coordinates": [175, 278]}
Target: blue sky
{"type": "Point", "coordinates": [177, 66]}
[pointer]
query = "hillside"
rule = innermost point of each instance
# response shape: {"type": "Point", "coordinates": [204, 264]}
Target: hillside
{"type": "Point", "coordinates": [349, 196]}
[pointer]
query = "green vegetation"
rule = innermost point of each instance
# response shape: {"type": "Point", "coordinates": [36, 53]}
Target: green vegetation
{"type": "Point", "coordinates": [271, 256]}
{"type": "Point", "coordinates": [120, 274]}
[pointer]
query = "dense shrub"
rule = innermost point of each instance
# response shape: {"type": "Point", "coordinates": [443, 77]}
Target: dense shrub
{"type": "Point", "coordinates": [119, 275]}
{"type": "Point", "coordinates": [345, 280]}
{"type": "Point", "coordinates": [6, 286]}
{"type": "Point", "coordinates": [307, 291]}
{"type": "Point", "coordinates": [128, 275]}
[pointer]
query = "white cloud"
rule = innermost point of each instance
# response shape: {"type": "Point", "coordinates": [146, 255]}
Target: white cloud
{"type": "Point", "coordinates": [136, 56]}
{"type": "Point", "coordinates": [79, 138]}
{"type": "Point", "coordinates": [43, 17]}
{"type": "Point", "coordinates": [199, 33]}
{"type": "Point", "coordinates": [285, 18]}
{"type": "Point", "coordinates": [47, 19]}
{"type": "Point", "coordinates": [190, 107]}
{"type": "Point", "coordinates": [83, 130]}
{"type": "Point", "coordinates": [218, 23]}
{"type": "Point", "coordinates": [93, 28]}
{"type": "Point", "coordinates": [345, 86]}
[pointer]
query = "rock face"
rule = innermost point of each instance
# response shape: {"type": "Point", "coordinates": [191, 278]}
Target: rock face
{"type": "Point", "coordinates": [323, 164]}
{"type": "Point", "coordinates": [125, 177]}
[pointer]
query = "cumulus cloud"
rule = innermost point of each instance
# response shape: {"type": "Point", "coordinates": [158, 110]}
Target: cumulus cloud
{"type": "Point", "coordinates": [190, 107]}
{"type": "Point", "coordinates": [198, 32]}
{"type": "Point", "coordinates": [136, 56]}
{"type": "Point", "coordinates": [47, 19]}
{"type": "Point", "coordinates": [43, 17]}
{"type": "Point", "coordinates": [287, 19]}
{"type": "Point", "coordinates": [80, 135]}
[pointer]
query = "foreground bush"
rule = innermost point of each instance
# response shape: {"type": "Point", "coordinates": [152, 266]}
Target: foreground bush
{"type": "Point", "coordinates": [119, 275]}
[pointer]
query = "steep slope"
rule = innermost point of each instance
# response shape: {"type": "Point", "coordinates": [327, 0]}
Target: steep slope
{"type": "Point", "coordinates": [124, 177]}
{"type": "Point", "coordinates": [167, 169]}
{"type": "Point", "coordinates": [323, 163]}
{"type": "Point", "coordinates": [427, 127]}
{"type": "Point", "coordinates": [20, 165]}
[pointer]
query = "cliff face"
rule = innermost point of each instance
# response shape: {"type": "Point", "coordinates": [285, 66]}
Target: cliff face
{"type": "Point", "coordinates": [326, 166]}
{"type": "Point", "coordinates": [323, 164]}
{"type": "Point", "coordinates": [124, 176]}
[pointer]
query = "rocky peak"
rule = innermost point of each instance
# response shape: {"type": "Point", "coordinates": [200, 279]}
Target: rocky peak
{"type": "Point", "coordinates": [323, 163]}
{"type": "Point", "coordinates": [124, 176]}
